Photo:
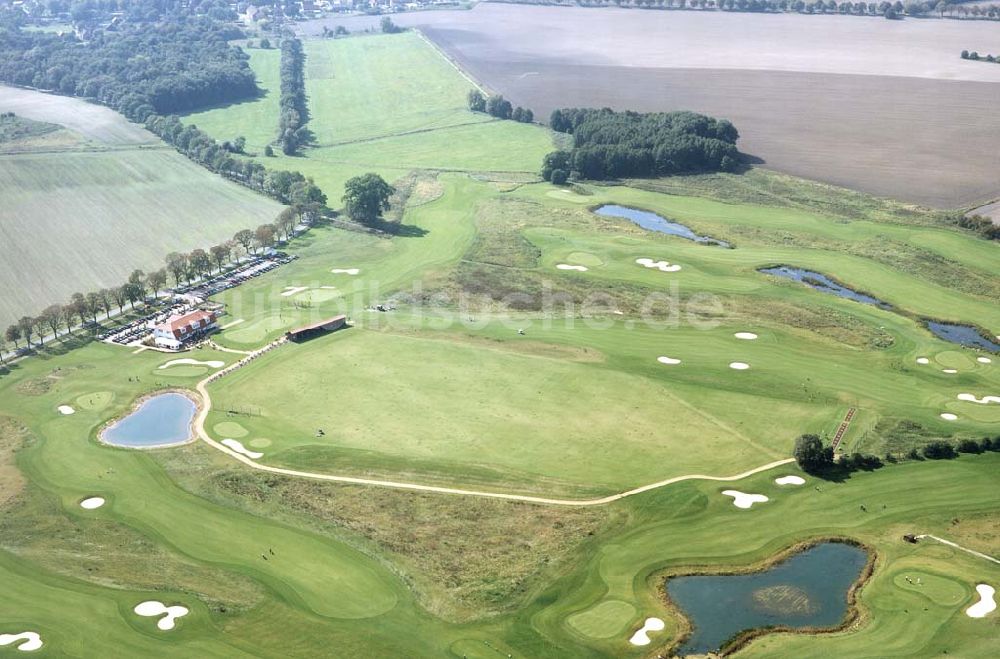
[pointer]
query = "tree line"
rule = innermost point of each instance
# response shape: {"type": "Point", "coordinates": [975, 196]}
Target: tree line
{"type": "Point", "coordinates": [287, 187]}
{"type": "Point", "coordinates": [884, 9]}
{"type": "Point", "coordinates": [183, 268]}
{"type": "Point", "coordinates": [609, 144]}
{"type": "Point", "coordinates": [497, 106]}
{"type": "Point", "coordinates": [981, 224]}
{"type": "Point", "coordinates": [177, 64]}
{"type": "Point", "coordinates": [979, 58]}
{"type": "Point", "coordinates": [293, 111]}
{"type": "Point", "coordinates": [813, 457]}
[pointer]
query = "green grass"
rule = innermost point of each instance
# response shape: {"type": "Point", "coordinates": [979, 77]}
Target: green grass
{"type": "Point", "coordinates": [388, 104]}
{"type": "Point", "coordinates": [578, 405]}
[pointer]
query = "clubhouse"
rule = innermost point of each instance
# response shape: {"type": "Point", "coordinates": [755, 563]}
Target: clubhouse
{"type": "Point", "coordinates": [178, 330]}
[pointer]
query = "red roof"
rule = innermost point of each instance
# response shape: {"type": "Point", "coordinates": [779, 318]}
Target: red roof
{"type": "Point", "coordinates": [175, 323]}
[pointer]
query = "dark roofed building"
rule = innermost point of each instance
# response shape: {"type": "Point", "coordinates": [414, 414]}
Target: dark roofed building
{"type": "Point", "coordinates": [315, 329]}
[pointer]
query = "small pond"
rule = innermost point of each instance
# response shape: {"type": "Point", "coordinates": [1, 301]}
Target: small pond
{"type": "Point", "coordinates": [807, 590]}
{"type": "Point", "coordinates": [163, 420]}
{"type": "Point", "coordinates": [821, 282]}
{"type": "Point", "coordinates": [653, 222]}
{"type": "Point", "coordinates": [963, 335]}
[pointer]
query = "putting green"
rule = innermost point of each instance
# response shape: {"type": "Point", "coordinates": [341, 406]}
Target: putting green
{"type": "Point", "coordinates": [938, 589]}
{"type": "Point", "coordinates": [955, 359]}
{"type": "Point", "coordinates": [569, 195]}
{"type": "Point", "coordinates": [607, 619]}
{"type": "Point", "coordinates": [584, 258]}
{"type": "Point", "coordinates": [259, 442]}
{"type": "Point", "coordinates": [184, 371]}
{"type": "Point", "coordinates": [97, 400]}
{"type": "Point", "coordinates": [317, 295]}
{"type": "Point", "coordinates": [230, 429]}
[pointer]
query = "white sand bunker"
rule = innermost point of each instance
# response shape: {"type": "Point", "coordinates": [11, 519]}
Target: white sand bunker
{"type": "Point", "coordinates": [948, 416]}
{"type": "Point", "coordinates": [986, 603]}
{"type": "Point", "coordinates": [566, 266]}
{"type": "Point", "coordinates": [790, 480]}
{"type": "Point", "coordinates": [746, 336]}
{"type": "Point", "coordinates": [346, 271]}
{"type": "Point", "coordinates": [237, 446]}
{"type": "Point", "coordinates": [668, 360]}
{"type": "Point", "coordinates": [923, 360]}
{"type": "Point", "coordinates": [328, 288]}
{"type": "Point", "coordinates": [984, 360]}
{"type": "Point", "coordinates": [292, 290]}
{"type": "Point", "coordinates": [949, 371]}
{"type": "Point", "coordinates": [641, 637]}
{"type": "Point", "coordinates": [29, 641]}
{"type": "Point", "coordinates": [66, 409]}
{"type": "Point", "coordinates": [744, 500]}
{"type": "Point", "coordinates": [739, 366]}
{"type": "Point", "coordinates": [92, 503]}
{"type": "Point", "coordinates": [662, 266]}
{"type": "Point", "coordinates": [982, 401]}
{"type": "Point", "coordinates": [177, 362]}
{"type": "Point", "coordinates": [152, 608]}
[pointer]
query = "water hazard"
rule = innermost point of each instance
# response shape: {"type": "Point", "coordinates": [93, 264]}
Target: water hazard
{"type": "Point", "coordinates": [163, 420]}
{"type": "Point", "coordinates": [821, 282]}
{"type": "Point", "coordinates": [653, 222]}
{"type": "Point", "coordinates": [807, 590]}
{"type": "Point", "coordinates": [963, 335]}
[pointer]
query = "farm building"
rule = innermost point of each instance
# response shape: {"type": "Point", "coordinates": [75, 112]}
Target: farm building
{"type": "Point", "coordinates": [180, 329]}
{"type": "Point", "coordinates": [315, 329]}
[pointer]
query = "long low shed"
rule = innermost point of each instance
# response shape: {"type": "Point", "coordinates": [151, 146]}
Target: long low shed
{"type": "Point", "coordinates": [321, 327]}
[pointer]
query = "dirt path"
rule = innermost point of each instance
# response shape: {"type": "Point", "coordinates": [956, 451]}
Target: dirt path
{"type": "Point", "coordinates": [975, 553]}
{"type": "Point", "coordinates": [206, 407]}
{"type": "Point", "coordinates": [842, 430]}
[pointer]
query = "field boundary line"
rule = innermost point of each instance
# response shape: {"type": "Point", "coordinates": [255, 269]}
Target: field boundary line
{"type": "Point", "coordinates": [462, 72]}
{"type": "Point", "coordinates": [206, 407]}
{"type": "Point", "coordinates": [958, 546]}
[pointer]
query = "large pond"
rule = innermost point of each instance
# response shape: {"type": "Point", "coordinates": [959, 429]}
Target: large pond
{"type": "Point", "coordinates": [807, 590]}
{"type": "Point", "coordinates": [653, 222]}
{"type": "Point", "coordinates": [963, 335]}
{"type": "Point", "coordinates": [821, 282]}
{"type": "Point", "coordinates": [163, 420]}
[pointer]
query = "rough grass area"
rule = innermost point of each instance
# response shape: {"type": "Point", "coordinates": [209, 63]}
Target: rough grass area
{"type": "Point", "coordinates": [455, 573]}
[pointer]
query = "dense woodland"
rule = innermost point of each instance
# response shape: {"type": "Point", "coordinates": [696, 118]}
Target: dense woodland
{"type": "Point", "coordinates": [294, 113]}
{"type": "Point", "coordinates": [175, 65]}
{"type": "Point", "coordinates": [609, 144]}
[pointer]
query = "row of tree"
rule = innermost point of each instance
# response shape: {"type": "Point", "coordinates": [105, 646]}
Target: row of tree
{"type": "Point", "coordinates": [292, 132]}
{"type": "Point", "coordinates": [897, 9]}
{"type": "Point", "coordinates": [287, 187]}
{"type": "Point", "coordinates": [182, 268]}
{"type": "Point", "coordinates": [609, 144]}
{"type": "Point", "coordinates": [497, 106]}
{"type": "Point", "coordinates": [979, 58]}
{"type": "Point", "coordinates": [174, 65]}
{"type": "Point", "coordinates": [815, 458]}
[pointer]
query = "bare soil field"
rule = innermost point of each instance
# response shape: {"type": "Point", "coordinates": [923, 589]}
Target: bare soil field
{"type": "Point", "coordinates": [883, 107]}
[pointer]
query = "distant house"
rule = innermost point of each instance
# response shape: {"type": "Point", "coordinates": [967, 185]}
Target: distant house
{"type": "Point", "coordinates": [180, 329]}
{"type": "Point", "coordinates": [322, 327]}
{"type": "Point", "coordinates": [251, 13]}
